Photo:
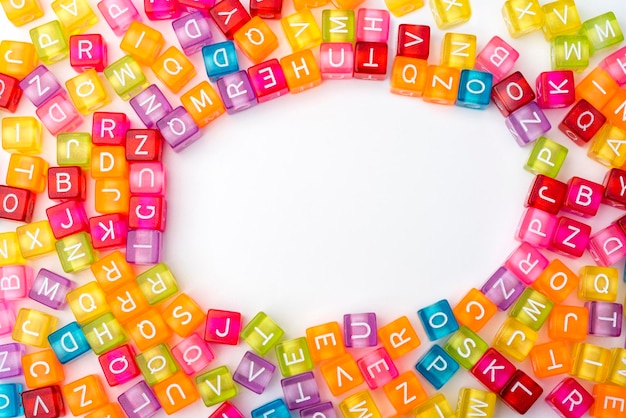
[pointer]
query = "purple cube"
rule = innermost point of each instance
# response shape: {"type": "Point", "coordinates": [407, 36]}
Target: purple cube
{"type": "Point", "coordinates": [139, 401]}
{"type": "Point", "coordinates": [325, 410]}
{"type": "Point", "coordinates": [50, 289]}
{"type": "Point", "coordinates": [143, 246]}
{"type": "Point", "coordinates": [360, 330]}
{"type": "Point", "coordinates": [150, 105]}
{"type": "Point", "coordinates": [11, 359]}
{"type": "Point", "coordinates": [503, 288]}
{"type": "Point", "coordinates": [254, 372]}
{"type": "Point", "coordinates": [40, 85]}
{"type": "Point", "coordinates": [527, 123]}
{"type": "Point", "coordinates": [193, 32]}
{"type": "Point", "coordinates": [300, 391]}
{"type": "Point", "coordinates": [605, 318]}
{"type": "Point", "coordinates": [179, 129]}
{"type": "Point", "coordinates": [236, 92]}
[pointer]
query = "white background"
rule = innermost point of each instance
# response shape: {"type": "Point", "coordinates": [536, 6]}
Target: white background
{"type": "Point", "coordinates": [344, 199]}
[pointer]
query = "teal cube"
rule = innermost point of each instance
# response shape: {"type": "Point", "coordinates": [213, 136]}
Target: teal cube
{"type": "Point", "coordinates": [261, 333]}
{"type": "Point", "coordinates": [104, 333]}
{"type": "Point", "coordinates": [546, 157]}
{"type": "Point", "coordinates": [474, 89]}
{"type": "Point", "coordinates": [532, 309]}
{"type": "Point", "coordinates": [50, 42]}
{"type": "Point", "coordinates": [437, 366]}
{"type": "Point", "coordinates": [11, 405]}
{"type": "Point", "coordinates": [438, 320]}
{"type": "Point", "coordinates": [216, 386]}
{"type": "Point", "coordinates": [602, 31]}
{"type": "Point", "coordinates": [220, 59]}
{"type": "Point", "coordinates": [68, 342]}
{"type": "Point", "coordinates": [274, 409]}
{"type": "Point", "coordinates": [293, 357]}
{"type": "Point", "coordinates": [338, 25]}
{"type": "Point", "coordinates": [74, 148]}
{"type": "Point", "coordinates": [570, 52]}
{"type": "Point", "coordinates": [466, 347]}
{"type": "Point", "coordinates": [157, 283]}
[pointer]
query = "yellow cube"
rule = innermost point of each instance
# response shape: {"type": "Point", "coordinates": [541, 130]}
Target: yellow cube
{"type": "Point", "coordinates": [400, 8]}
{"type": "Point", "coordinates": [515, 339]}
{"type": "Point", "coordinates": [598, 283]}
{"type": "Point", "coordinates": [87, 302]}
{"type": "Point", "coordinates": [256, 39]}
{"type": "Point", "coordinates": [522, 16]}
{"type": "Point", "coordinates": [359, 404]}
{"type": "Point", "coordinates": [21, 134]}
{"type": "Point", "coordinates": [174, 69]}
{"type": "Point", "coordinates": [32, 327]}
{"type": "Point", "coordinates": [458, 51]}
{"type": "Point", "coordinates": [23, 12]}
{"type": "Point", "coordinates": [560, 18]}
{"type": "Point", "coordinates": [301, 30]}
{"type": "Point", "coordinates": [449, 13]}
{"type": "Point", "coordinates": [87, 92]}
{"type": "Point", "coordinates": [591, 362]}
{"type": "Point", "coordinates": [35, 238]}
{"type": "Point", "coordinates": [10, 246]}
{"type": "Point", "coordinates": [76, 16]}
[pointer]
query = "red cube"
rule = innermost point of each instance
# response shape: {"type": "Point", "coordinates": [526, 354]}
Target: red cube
{"type": "Point", "coordinates": [583, 197]}
{"type": "Point", "coordinates": [10, 93]}
{"type": "Point", "coordinates": [266, 9]}
{"type": "Point", "coordinates": [370, 60]}
{"type": "Point", "coordinates": [229, 15]}
{"type": "Point", "coordinates": [547, 194]}
{"type": "Point", "coordinates": [570, 237]}
{"type": "Point", "coordinates": [521, 392]}
{"type": "Point", "coordinates": [66, 183]}
{"type": "Point", "coordinates": [16, 204]}
{"type": "Point", "coordinates": [143, 145]}
{"type": "Point", "coordinates": [108, 231]}
{"type": "Point", "coordinates": [67, 218]}
{"type": "Point", "coordinates": [511, 93]}
{"type": "Point", "coordinates": [413, 41]}
{"type": "Point", "coordinates": [109, 128]}
{"type": "Point", "coordinates": [88, 51]}
{"type": "Point", "coordinates": [222, 327]}
{"type": "Point", "coordinates": [147, 212]}
{"type": "Point", "coordinates": [45, 402]}
{"type": "Point", "coordinates": [615, 188]}
{"type": "Point", "coordinates": [582, 122]}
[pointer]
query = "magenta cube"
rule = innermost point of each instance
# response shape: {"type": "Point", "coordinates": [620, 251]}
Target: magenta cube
{"type": "Point", "coordinates": [222, 327]}
{"type": "Point", "coordinates": [360, 330]}
{"type": "Point", "coordinates": [570, 238]}
{"type": "Point", "coordinates": [605, 318]}
{"type": "Point", "coordinates": [40, 85]}
{"type": "Point", "coordinates": [50, 289]}
{"type": "Point", "coordinates": [226, 410]}
{"type": "Point", "coordinates": [192, 6]}
{"type": "Point", "coordinates": [570, 399]}
{"type": "Point", "coordinates": [336, 60]}
{"type": "Point", "coordinates": [147, 178]}
{"type": "Point", "coordinates": [536, 227]}
{"type": "Point", "coordinates": [583, 197]}
{"type": "Point", "coordinates": [493, 370]}
{"type": "Point", "coordinates": [119, 14]}
{"type": "Point", "coordinates": [161, 9]}
{"type": "Point", "coordinates": [118, 365]}
{"type": "Point", "coordinates": [179, 129]}
{"type": "Point", "coordinates": [151, 105]}
{"type": "Point", "coordinates": [300, 391]}
{"type": "Point", "coordinates": [11, 355]}
{"type": "Point", "coordinates": [497, 58]}
{"type": "Point", "coordinates": [143, 246]}
{"type": "Point", "coordinates": [139, 401]}
{"type": "Point", "coordinates": [526, 262]}
{"type": "Point", "coordinates": [58, 114]}
{"type": "Point", "coordinates": [503, 288]}
{"type": "Point", "coordinates": [147, 212]}
{"type": "Point", "coordinates": [7, 317]}
{"type": "Point", "coordinates": [15, 281]}
{"type": "Point", "coordinates": [67, 218]}
{"type": "Point", "coordinates": [608, 246]}
{"type": "Point", "coordinates": [109, 128]}
{"type": "Point", "coordinates": [88, 51]}
{"type": "Point", "coordinates": [193, 354]}
{"type": "Point", "coordinates": [236, 92]}
{"type": "Point", "coordinates": [193, 32]}
{"type": "Point", "coordinates": [555, 89]}
{"type": "Point", "coordinates": [254, 372]}
{"type": "Point", "coordinates": [615, 65]}
{"type": "Point", "coordinates": [108, 231]}
{"type": "Point", "coordinates": [377, 368]}
{"type": "Point", "coordinates": [372, 25]}
{"type": "Point", "coordinates": [324, 410]}
{"type": "Point", "coordinates": [268, 80]}
{"type": "Point", "coordinates": [527, 123]}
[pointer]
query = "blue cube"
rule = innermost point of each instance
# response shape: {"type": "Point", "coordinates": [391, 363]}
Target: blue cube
{"type": "Point", "coordinates": [275, 409]}
{"type": "Point", "coordinates": [437, 366]}
{"type": "Point", "coordinates": [220, 59]}
{"type": "Point", "coordinates": [68, 342]}
{"type": "Point", "coordinates": [10, 400]}
{"type": "Point", "coordinates": [474, 89]}
{"type": "Point", "coordinates": [438, 320]}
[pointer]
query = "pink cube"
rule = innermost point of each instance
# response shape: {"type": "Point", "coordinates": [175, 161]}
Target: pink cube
{"type": "Point", "coordinates": [147, 212]}
{"type": "Point", "coordinates": [268, 80]}
{"type": "Point", "coordinates": [377, 368]}
{"type": "Point", "coordinates": [88, 51]}
{"type": "Point", "coordinates": [15, 281]}
{"type": "Point", "coordinates": [58, 114]}
{"type": "Point", "coordinates": [536, 227]}
{"type": "Point", "coordinates": [161, 9]}
{"type": "Point", "coordinates": [119, 365]}
{"type": "Point", "coordinates": [608, 245]}
{"type": "Point", "coordinates": [555, 89]}
{"type": "Point", "coordinates": [570, 238]}
{"type": "Point", "coordinates": [569, 399]}
{"type": "Point", "coordinates": [119, 14]}
{"type": "Point", "coordinates": [336, 60]}
{"type": "Point", "coordinates": [497, 58]}
{"type": "Point", "coordinates": [615, 65]}
{"type": "Point", "coordinates": [526, 262]}
{"type": "Point", "coordinates": [372, 25]}
{"type": "Point", "coordinates": [583, 197]}
{"type": "Point", "coordinates": [147, 178]}
{"type": "Point", "coordinates": [193, 354]}
{"type": "Point", "coordinates": [7, 317]}
{"type": "Point", "coordinates": [493, 370]}
{"type": "Point", "coordinates": [109, 128]}
{"type": "Point", "coordinates": [222, 327]}
{"type": "Point", "coordinates": [67, 218]}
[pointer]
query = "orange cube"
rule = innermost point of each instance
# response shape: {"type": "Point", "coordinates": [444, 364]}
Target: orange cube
{"type": "Point", "coordinates": [108, 162]}
{"type": "Point", "coordinates": [127, 302]}
{"type": "Point", "coordinates": [325, 341]}
{"type": "Point", "coordinates": [442, 84]}
{"type": "Point", "coordinates": [203, 103]}
{"type": "Point", "coordinates": [551, 358]}
{"type": "Point", "coordinates": [175, 393]}
{"type": "Point", "coordinates": [597, 88]}
{"type": "Point", "coordinates": [557, 281]}
{"type": "Point", "coordinates": [148, 330]}
{"type": "Point", "coordinates": [109, 410]}
{"type": "Point", "coordinates": [256, 39]}
{"type": "Point", "coordinates": [42, 368]}
{"type": "Point", "coordinates": [399, 337]}
{"type": "Point", "coordinates": [341, 374]}
{"type": "Point", "coordinates": [142, 42]}
{"type": "Point", "coordinates": [301, 71]}
{"type": "Point", "coordinates": [568, 323]}
{"type": "Point", "coordinates": [405, 392]}
{"type": "Point", "coordinates": [474, 310]}
{"type": "Point", "coordinates": [408, 76]}
{"type": "Point", "coordinates": [183, 315]}
{"type": "Point", "coordinates": [112, 196]}
{"type": "Point", "coordinates": [112, 271]}
{"type": "Point", "coordinates": [84, 395]}
{"type": "Point", "coordinates": [27, 172]}
{"type": "Point", "coordinates": [615, 110]}
{"type": "Point", "coordinates": [174, 69]}
{"type": "Point", "coordinates": [609, 401]}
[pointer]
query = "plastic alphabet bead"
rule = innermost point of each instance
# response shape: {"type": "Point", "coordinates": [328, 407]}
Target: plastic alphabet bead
{"type": "Point", "coordinates": [256, 40]}
{"type": "Point", "coordinates": [547, 194]}
{"type": "Point", "coordinates": [47, 398]}
{"type": "Point", "coordinates": [156, 364]}
{"type": "Point", "coordinates": [74, 149]}
{"type": "Point", "coordinates": [522, 17]}
{"type": "Point", "coordinates": [108, 231]}
{"type": "Point", "coordinates": [66, 183]}
{"type": "Point", "coordinates": [413, 41]}
{"type": "Point", "coordinates": [139, 401]}
{"type": "Point", "coordinates": [148, 329]}
{"type": "Point", "coordinates": [87, 92]}
{"type": "Point", "coordinates": [512, 93]}
{"type": "Point", "coordinates": [216, 386]}
{"type": "Point", "coordinates": [229, 15]}
{"type": "Point", "coordinates": [157, 283]}
{"type": "Point", "coordinates": [75, 16]}
{"type": "Point", "coordinates": [359, 403]}
{"type": "Point", "coordinates": [448, 14]}
{"type": "Point", "coordinates": [11, 254]}
{"type": "Point", "coordinates": [613, 191]}
{"type": "Point", "coordinates": [58, 115]}
{"type": "Point", "coordinates": [20, 58]}
{"type": "Point", "coordinates": [174, 69]}
{"type": "Point", "coordinates": [617, 367]}
{"type": "Point", "coordinates": [378, 368]}
{"type": "Point", "coordinates": [84, 395]}
{"type": "Point", "coordinates": [556, 281]}
{"type": "Point", "coordinates": [598, 283]}
{"type": "Point", "coordinates": [110, 410]}
{"type": "Point", "coordinates": [438, 320]}
{"type": "Point", "coordinates": [88, 52]}
{"type": "Point", "coordinates": [10, 94]}
{"type": "Point", "coordinates": [193, 32]}
{"type": "Point", "coordinates": [526, 263]}
{"type": "Point", "coordinates": [254, 372]}
{"type": "Point", "coordinates": [341, 374]}
{"type": "Point", "coordinates": [405, 392]}
{"type": "Point", "coordinates": [591, 362]}
{"type": "Point", "coordinates": [503, 288]}
{"type": "Point", "coordinates": [474, 89]}
{"type": "Point", "coordinates": [609, 401]}
{"type": "Point", "coordinates": [266, 9]}
{"type": "Point", "coordinates": [300, 391]}
{"type": "Point", "coordinates": [42, 368]}
{"type": "Point", "coordinates": [7, 317]}
{"type": "Point", "coordinates": [473, 402]}
{"type": "Point", "coordinates": [613, 65]}
{"type": "Point", "coordinates": [22, 13]}
{"type": "Point", "coordinates": [605, 318]}
{"type": "Point", "coordinates": [11, 395]}
{"type": "Point", "coordinates": [150, 105]}
{"type": "Point", "coordinates": [223, 327]}
{"type": "Point", "coordinates": [87, 302]}
{"type": "Point", "coordinates": [582, 122]}
{"type": "Point", "coordinates": [398, 337]}
{"type": "Point", "coordinates": [458, 50]}
{"type": "Point", "coordinates": [161, 9]}
{"type": "Point", "coordinates": [532, 309]}
{"type": "Point", "coordinates": [536, 227]}
{"type": "Point", "coordinates": [126, 302]}
{"type": "Point", "coordinates": [18, 205]}
{"type": "Point", "coordinates": [602, 31]}
{"type": "Point", "coordinates": [193, 354]}
{"type": "Point", "coordinates": [104, 333]}
{"type": "Point", "coordinates": [301, 71]}
{"type": "Point", "coordinates": [67, 218]}
{"type": "Point", "coordinates": [437, 366]}
{"type": "Point", "coordinates": [236, 92]}
{"type": "Point", "coordinates": [119, 365]}
{"type": "Point", "coordinates": [493, 370]}
{"type": "Point", "coordinates": [32, 327]}
{"type": "Point", "coordinates": [118, 14]}
{"type": "Point", "coordinates": [293, 357]}
{"type": "Point", "coordinates": [597, 88]}
{"type": "Point", "coordinates": [336, 60]}
{"type": "Point", "coordinates": [15, 280]}
{"type": "Point", "coordinates": [474, 310]}
{"type": "Point", "coordinates": [112, 271]}
{"type": "Point", "coordinates": [126, 77]}
{"type": "Point", "coordinates": [220, 59]}
{"type": "Point", "coordinates": [182, 315]}
{"type": "Point", "coordinates": [338, 26]}
{"type": "Point", "coordinates": [325, 341]}
{"type": "Point", "coordinates": [268, 80]}
{"type": "Point", "coordinates": [50, 42]}
{"type": "Point", "coordinates": [570, 52]}
{"type": "Point", "coordinates": [466, 347]}
{"type": "Point", "coordinates": [203, 103]}
{"type": "Point", "coordinates": [570, 399]}
{"type": "Point", "coordinates": [551, 359]}
{"type": "Point", "coordinates": [112, 194]}
{"type": "Point", "coordinates": [561, 18]}
{"type": "Point", "coordinates": [568, 323]}
{"type": "Point", "coordinates": [521, 392]}
{"type": "Point", "coordinates": [324, 408]}
{"type": "Point", "coordinates": [400, 8]}
{"type": "Point", "coordinates": [605, 146]}
{"type": "Point", "coordinates": [12, 353]}
{"type": "Point", "coordinates": [515, 339]}
{"type": "Point", "coordinates": [68, 342]}
{"type": "Point", "coordinates": [372, 25]}
{"type": "Point", "coordinates": [144, 144]}
{"type": "Point", "coordinates": [176, 393]}
{"type": "Point", "coordinates": [143, 246]}
{"type": "Point", "coordinates": [370, 60]}
{"type": "Point", "coordinates": [555, 89]}
{"type": "Point", "coordinates": [408, 76]}
{"type": "Point", "coordinates": [527, 123]}
{"type": "Point", "coordinates": [436, 406]}
{"type": "Point", "coordinates": [40, 85]}
{"type": "Point", "coordinates": [226, 409]}
{"type": "Point", "coordinates": [360, 330]}
{"type": "Point", "coordinates": [301, 30]}
{"type": "Point", "coordinates": [442, 84]}
{"type": "Point", "coordinates": [277, 408]}
{"type": "Point", "coordinates": [142, 42]}
{"type": "Point", "coordinates": [27, 172]}
{"type": "Point", "coordinates": [178, 128]}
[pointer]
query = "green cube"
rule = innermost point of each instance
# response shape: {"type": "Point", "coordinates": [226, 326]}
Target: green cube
{"type": "Point", "coordinates": [261, 333]}
{"type": "Point", "coordinates": [532, 309]}
{"type": "Point", "coordinates": [466, 347]}
{"type": "Point", "coordinates": [104, 333]}
{"type": "Point", "coordinates": [50, 42]}
{"type": "Point", "coordinates": [547, 157]}
{"type": "Point", "coordinates": [602, 31]}
{"type": "Point", "coordinates": [157, 283]}
{"type": "Point", "coordinates": [570, 52]}
{"type": "Point", "coordinates": [75, 252]}
{"type": "Point", "coordinates": [74, 148]}
{"type": "Point", "coordinates": [156, 364]}
{"type": "Point", "coordinates": [126, 77]}
{"type": "Point", "coordinates": [216, 386]}
{"type": "Point", "coordinates": [338, 25]}
{"type": "Point", "coordinates": [293, 357]}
